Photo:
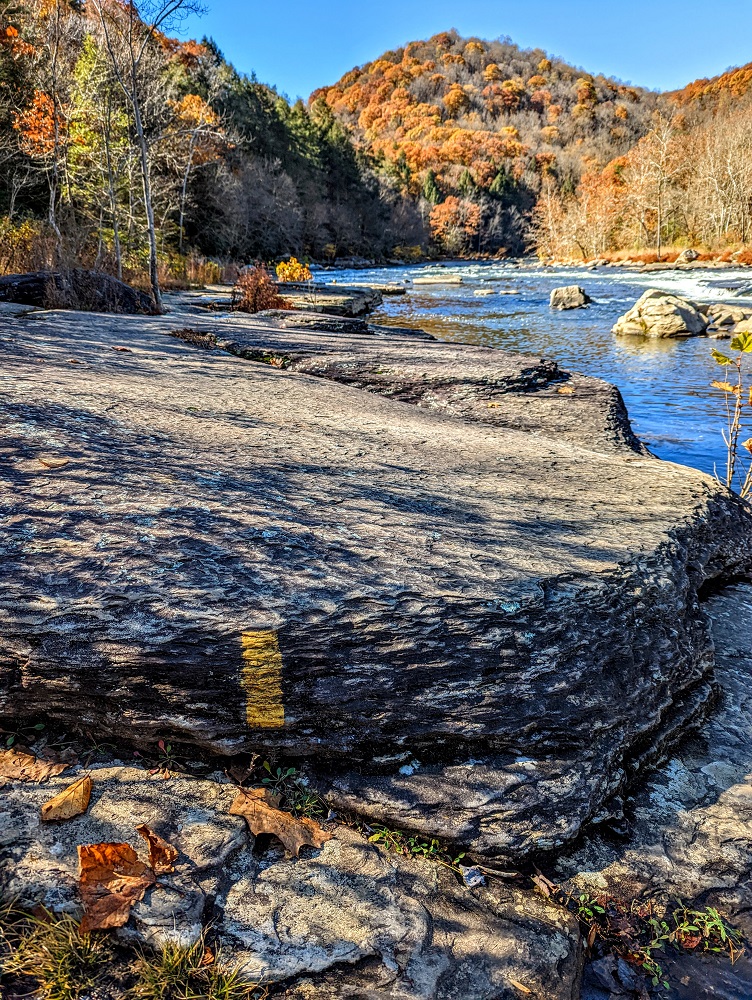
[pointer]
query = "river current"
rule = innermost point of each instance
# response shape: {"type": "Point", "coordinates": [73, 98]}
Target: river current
{"type": "Point", "coordinates": [665, 383]}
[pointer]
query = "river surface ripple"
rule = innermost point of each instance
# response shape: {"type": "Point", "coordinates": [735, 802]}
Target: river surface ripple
{"type": "Point", "coordinates": [665, 383]}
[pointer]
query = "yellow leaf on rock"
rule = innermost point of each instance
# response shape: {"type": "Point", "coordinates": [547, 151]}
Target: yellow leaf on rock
{"type": "Point", "coordinates": [565, 390]}
{"type": "Point", "coordinates": [72, 801]}
{"type": "Point", "coordinates": [259, 808]}
{"type": "Point", "coordinates": [53, 461]}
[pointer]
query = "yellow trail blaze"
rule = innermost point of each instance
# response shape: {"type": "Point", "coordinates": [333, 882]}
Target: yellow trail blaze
{"type": "Point", "coordinates": [261, 678]}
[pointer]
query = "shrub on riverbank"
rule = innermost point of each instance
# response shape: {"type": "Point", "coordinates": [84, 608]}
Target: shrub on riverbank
{"type": "Point", "coordinates": [255, 291]}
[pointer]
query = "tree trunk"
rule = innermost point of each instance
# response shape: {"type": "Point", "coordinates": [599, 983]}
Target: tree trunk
{"type": "Point", "coordinates": [148, 206]}
{"type": "Point", "coordinates": [184, 191]}
{"type": "Point", "coordinates": [112, 194]}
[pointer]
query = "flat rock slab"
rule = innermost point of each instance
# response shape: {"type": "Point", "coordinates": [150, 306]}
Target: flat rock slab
{"type": "Point", "coordinates": [444, 618]}
{"type": "Point", "coordinates": [353, 922]}
{"type": "Point", "coordinates": [503, 389]}
{"type": "Point", "coordinates": [349, 917]}
{"type": "Point", "coordinates": [39, 860]}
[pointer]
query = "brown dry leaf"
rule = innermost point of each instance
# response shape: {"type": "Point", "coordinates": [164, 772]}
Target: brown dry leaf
{"type": "Point", "coordinates": [591, 936]}
{"type": "Point", "coordinates": [72, 801]}
{"type": "Point", "coordinates": [564, 390]}
{"type": "Point", "coordinates": [161, 854]}
{"type": "Point", "coordinates": [53, 461]}
{"type": "Point", "coordinates": [258, 807]}
{"type": "Point", "coordinates": [19, 766]}
{"type": "Point", "coordinates": [208, 957]}
{"type": "Point", "coordinates": [123, 349]}
{"type": "Point", "coordinates": [111, 880]}
{"type": "Point", "coordinates": [545, 885]}
{"type": "Point", "coordinates": [519, 986]}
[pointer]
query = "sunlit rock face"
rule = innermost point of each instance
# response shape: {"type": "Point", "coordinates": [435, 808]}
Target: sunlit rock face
{"type": "Point", "coordinates": [460, 627]}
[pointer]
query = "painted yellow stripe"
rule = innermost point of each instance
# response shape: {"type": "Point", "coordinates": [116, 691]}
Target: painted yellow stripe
{"type": "Point", "coordinates": [261, 677]}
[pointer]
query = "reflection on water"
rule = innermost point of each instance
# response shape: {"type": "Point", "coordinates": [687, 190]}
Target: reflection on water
{"type": "Point", "coordinates": [666, 383]}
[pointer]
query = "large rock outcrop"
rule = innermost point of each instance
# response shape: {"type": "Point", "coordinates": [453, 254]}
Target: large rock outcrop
{"type": "Point", "coordinates": [661, 314]}
{"type": "Point", "coordinates": [74, 289]}
{"type": "Point", "coordinates": [460, 627]}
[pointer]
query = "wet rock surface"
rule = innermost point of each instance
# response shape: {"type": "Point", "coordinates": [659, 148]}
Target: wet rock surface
{"type": "Point", "coordinates": [689, 826]}
{"type": "Point", "coordinates": [251, 558]}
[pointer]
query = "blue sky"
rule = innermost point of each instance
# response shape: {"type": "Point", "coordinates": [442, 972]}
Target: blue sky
{"type": "Point", "coordinates": [654, 43]}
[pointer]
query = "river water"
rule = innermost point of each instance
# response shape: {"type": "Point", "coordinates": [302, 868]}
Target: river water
{"type": "Point", "coordinates": [665, 383]}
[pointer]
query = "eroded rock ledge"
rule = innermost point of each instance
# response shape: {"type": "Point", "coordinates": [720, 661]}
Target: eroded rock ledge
{"type": "Point", "coordinates": [461, 627]}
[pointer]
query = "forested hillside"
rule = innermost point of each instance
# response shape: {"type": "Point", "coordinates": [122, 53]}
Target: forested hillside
{"type": "Point", "coordinates": [106, 121]}
{"type": "Point", "coordinates": [686, 183]}
{"type": "Point", "coordinates": [474, 130]}
{"type": "Point", "coordinates": [126, 150]}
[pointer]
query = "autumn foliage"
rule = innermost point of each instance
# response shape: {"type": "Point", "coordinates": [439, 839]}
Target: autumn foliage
{"type": "Point", "coordinates": [454, 224]}
{"type": "Point", "coordinates": [255, 291]}
{"type": "Point", "coordinates": [293, 270]}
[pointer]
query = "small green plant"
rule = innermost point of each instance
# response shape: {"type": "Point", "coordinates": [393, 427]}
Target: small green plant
{"type": "Point", "coordinates": [293, 791]}
{"type": "Point", "coordinates": [639, 930]}
{"type": "Point", "coordinates": [737, 395]}
{"type": "Point", "coordinates": [413, 845]}
{"type": "Point", "coordinates": [23, 735]}
{"type": "Point", "coordinates": [165, 760]}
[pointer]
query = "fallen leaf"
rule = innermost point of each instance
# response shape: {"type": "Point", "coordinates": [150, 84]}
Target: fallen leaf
{"type": "Point", "coordinates": [259, 807]}
{"type": "Point", "coordinates": [111, 880]}
{"type": "Point", "coordinates": [72, 801]}
{"type": "Point", "coordinates": [564, 390]}
{"type": "Point", "coordinates": [208, 958]}
{"type": "Point", "coordinates": [519, 986]}
{"type": "Point", "coordinates": [123, 349]}
{"type": "Point", "coordinates": [53, 461]}
{"type": "Point", "coordinates": [19, 766]}
{"type": "Point", "coordinates": [591, 935]}
{"type": "Point", "coordinates": [545, 885]}
{"type": "Point", "coordinates": [161, 854]}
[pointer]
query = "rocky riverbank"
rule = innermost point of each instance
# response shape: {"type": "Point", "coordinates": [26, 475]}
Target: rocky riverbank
{"type": "Point", "coordinates": [416, 570]}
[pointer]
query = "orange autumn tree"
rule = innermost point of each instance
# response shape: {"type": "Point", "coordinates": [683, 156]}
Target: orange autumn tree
{"type": "Point", "coordinates": [40, 127]}
{"type": "Point", "coordinates": [455, 223]}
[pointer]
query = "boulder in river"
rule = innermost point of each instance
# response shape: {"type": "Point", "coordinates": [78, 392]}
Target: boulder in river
{"type": "Point", "coordinates": [661, 314]}
{"type": "Point", "coordinates": [688, 256]}
{"type": "Point", "coordinates": [723, 316]}
{"type": "Point", "coordinates": [569, 297]}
